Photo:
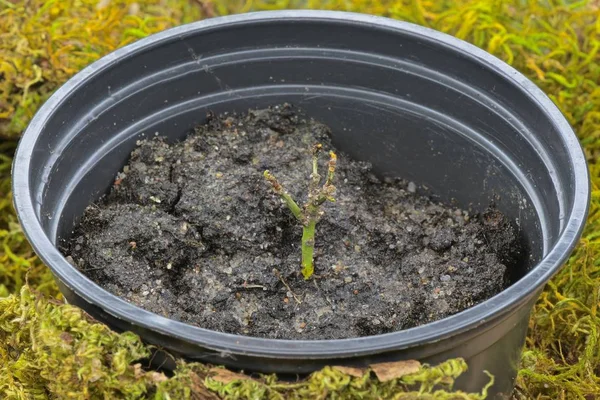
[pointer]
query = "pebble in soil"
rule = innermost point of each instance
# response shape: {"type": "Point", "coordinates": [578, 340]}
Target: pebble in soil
{"type": "Point", "coordinates": [192, 231]}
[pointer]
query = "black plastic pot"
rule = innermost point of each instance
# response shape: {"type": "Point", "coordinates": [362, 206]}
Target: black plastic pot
{"type": "Point", "coordinates": [415, 102]}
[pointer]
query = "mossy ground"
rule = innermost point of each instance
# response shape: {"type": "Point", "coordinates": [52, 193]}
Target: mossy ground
{"type": "Point", "coordinates": [48, 350]}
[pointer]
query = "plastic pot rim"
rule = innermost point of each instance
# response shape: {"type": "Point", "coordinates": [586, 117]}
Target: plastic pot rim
{"type": "Point", "coordinates": [468, 319]}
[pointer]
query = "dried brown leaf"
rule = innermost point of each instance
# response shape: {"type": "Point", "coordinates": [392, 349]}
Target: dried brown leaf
{"type": "Point", "coordinates": [355, 372]}
{"type": "Point", "coordinates": [393, 370]}
{"type": "Point", "coordinates": [199, 391]}
{"type": "Point", "coordinates": [157, 377]}
{"type": "Point", "coordinates": [225, 376]}
{"type": "Point", "coordinates": [66, 337]}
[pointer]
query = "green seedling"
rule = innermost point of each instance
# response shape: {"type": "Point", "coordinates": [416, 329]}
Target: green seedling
{"type": "Point", "coordinates": [311, 212]}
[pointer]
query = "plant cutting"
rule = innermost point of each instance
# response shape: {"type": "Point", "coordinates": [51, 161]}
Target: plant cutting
{"type": "Point", "coordinates": [310, 214]}
{"type": "Point", "coordinates": [363, 89]}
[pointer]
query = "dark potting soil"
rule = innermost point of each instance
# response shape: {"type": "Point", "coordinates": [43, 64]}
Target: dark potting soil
{"type": "Point", "coordinates": [192, 231]}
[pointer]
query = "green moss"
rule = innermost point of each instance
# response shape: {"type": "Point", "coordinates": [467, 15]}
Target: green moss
{"type": "Point", "coordinates": [49, 350]}
{"type": "Point", "coordinates": [43, 43]}
{"type": "Point", "coordinates": [54, 350]}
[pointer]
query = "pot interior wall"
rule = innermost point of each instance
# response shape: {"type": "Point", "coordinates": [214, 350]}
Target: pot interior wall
{"type": "Point", "coordinates": [411, 107]}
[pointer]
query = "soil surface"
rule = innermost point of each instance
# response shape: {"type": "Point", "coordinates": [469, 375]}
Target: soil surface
{"type": "Point", "coordinates": [192, 231]}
